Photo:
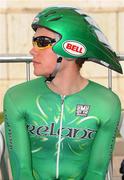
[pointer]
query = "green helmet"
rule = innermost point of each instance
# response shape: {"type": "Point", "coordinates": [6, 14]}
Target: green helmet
{"type": "Point", "coordinates": [80, 37]}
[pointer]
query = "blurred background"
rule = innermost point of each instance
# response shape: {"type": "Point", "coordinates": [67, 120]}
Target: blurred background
{"type": "Point", "coordinates": [16, 34]}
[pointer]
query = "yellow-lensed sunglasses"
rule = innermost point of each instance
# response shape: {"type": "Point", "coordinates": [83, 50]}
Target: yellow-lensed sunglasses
{"type": "Point", "coordinates": [42, 42]}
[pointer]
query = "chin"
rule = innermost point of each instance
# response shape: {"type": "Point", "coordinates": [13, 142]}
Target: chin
{"type": "Point", "coordinates": [40, 74]}
{"type": "Point", "coordinates": [37, 73]}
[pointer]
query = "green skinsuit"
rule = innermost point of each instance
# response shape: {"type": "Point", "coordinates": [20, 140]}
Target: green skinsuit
{"type": "Point", "coordinates": [60, 137]}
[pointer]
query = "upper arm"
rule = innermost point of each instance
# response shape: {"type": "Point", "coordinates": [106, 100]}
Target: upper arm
{"type": "Point", "coordinates": [16, 136]}
{"type": "Point", "coordinates": [103, 144]}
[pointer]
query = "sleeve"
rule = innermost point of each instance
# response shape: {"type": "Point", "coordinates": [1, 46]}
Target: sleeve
{"type": "Point", "coordinates": [17, 140]}
{"type": "Point", "coordinates": [103, 144]}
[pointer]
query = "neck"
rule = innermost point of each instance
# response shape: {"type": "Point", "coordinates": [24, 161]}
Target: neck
{"type": "Point", "coordinates": [68, 81]}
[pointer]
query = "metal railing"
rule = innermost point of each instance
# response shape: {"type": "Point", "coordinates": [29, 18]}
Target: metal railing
{"type": "Point", "coordinates": [121, 58]}
{"type": "Point", "coordinates": [18, 59]}
{"type": "Point", "coordinates": [27, 59]}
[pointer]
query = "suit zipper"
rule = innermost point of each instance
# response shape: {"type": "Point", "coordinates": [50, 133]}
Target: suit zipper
{"type": "Point", "coordinates": [59, 138]}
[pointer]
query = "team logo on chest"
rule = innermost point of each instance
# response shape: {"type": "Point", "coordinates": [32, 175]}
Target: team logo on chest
{"type": "Point", "coordinates": [82, 110]}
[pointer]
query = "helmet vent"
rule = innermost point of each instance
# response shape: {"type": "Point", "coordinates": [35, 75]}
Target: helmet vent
{"type": "Point", "coordinates": [55, 19]}
{"type": "Point", "coordinates": [50, 13]}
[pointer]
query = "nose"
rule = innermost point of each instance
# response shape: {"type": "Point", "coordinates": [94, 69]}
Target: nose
{"type": "Point", "coordinates": [32, 51]}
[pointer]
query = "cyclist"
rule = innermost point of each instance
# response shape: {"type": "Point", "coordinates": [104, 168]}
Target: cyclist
{"type": "Point", "coordinates": [62, 125]}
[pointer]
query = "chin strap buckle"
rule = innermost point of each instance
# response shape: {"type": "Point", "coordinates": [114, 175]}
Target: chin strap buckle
{"type": "Point", "coordinates": [122, 169]}
{"type": "Point", "coordinates": [59, 60]}
{"type": "Point", "coordinates": [49, 79]}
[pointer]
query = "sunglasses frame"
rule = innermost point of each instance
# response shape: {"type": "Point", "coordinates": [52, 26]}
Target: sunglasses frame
{"type": "Point", "coordinates": [41, 38]}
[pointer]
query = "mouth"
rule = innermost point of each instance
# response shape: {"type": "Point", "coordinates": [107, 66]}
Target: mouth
{"type": "Point", "coordinates": [35, 62]}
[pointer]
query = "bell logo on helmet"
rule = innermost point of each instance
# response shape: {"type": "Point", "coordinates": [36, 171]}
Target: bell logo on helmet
{"type": "Point", "coordinates": [74, 48]}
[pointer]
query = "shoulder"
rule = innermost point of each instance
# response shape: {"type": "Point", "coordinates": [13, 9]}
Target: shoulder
{"type": "Point", "coordinates": [25, 88]}
{"type": "Point", "coordinates": [104, 96]}
{"type": "Point", "coordinates": [103, 92]}
{"type": "Point", "coordinates": [107, 103]}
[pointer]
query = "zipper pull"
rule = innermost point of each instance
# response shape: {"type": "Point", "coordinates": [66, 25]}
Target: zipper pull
{"type": "Point", "coordinates": [62, 98]}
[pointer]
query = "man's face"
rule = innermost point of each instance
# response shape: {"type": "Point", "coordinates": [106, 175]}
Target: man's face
{"type": "Point", "coordinates": [44, 60]}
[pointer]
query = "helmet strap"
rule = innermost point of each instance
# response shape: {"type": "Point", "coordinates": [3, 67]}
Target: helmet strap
{"type": "Point", "coordinates": [59, 60]}
{"type": "Point", "coordinates": [52, 76]}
